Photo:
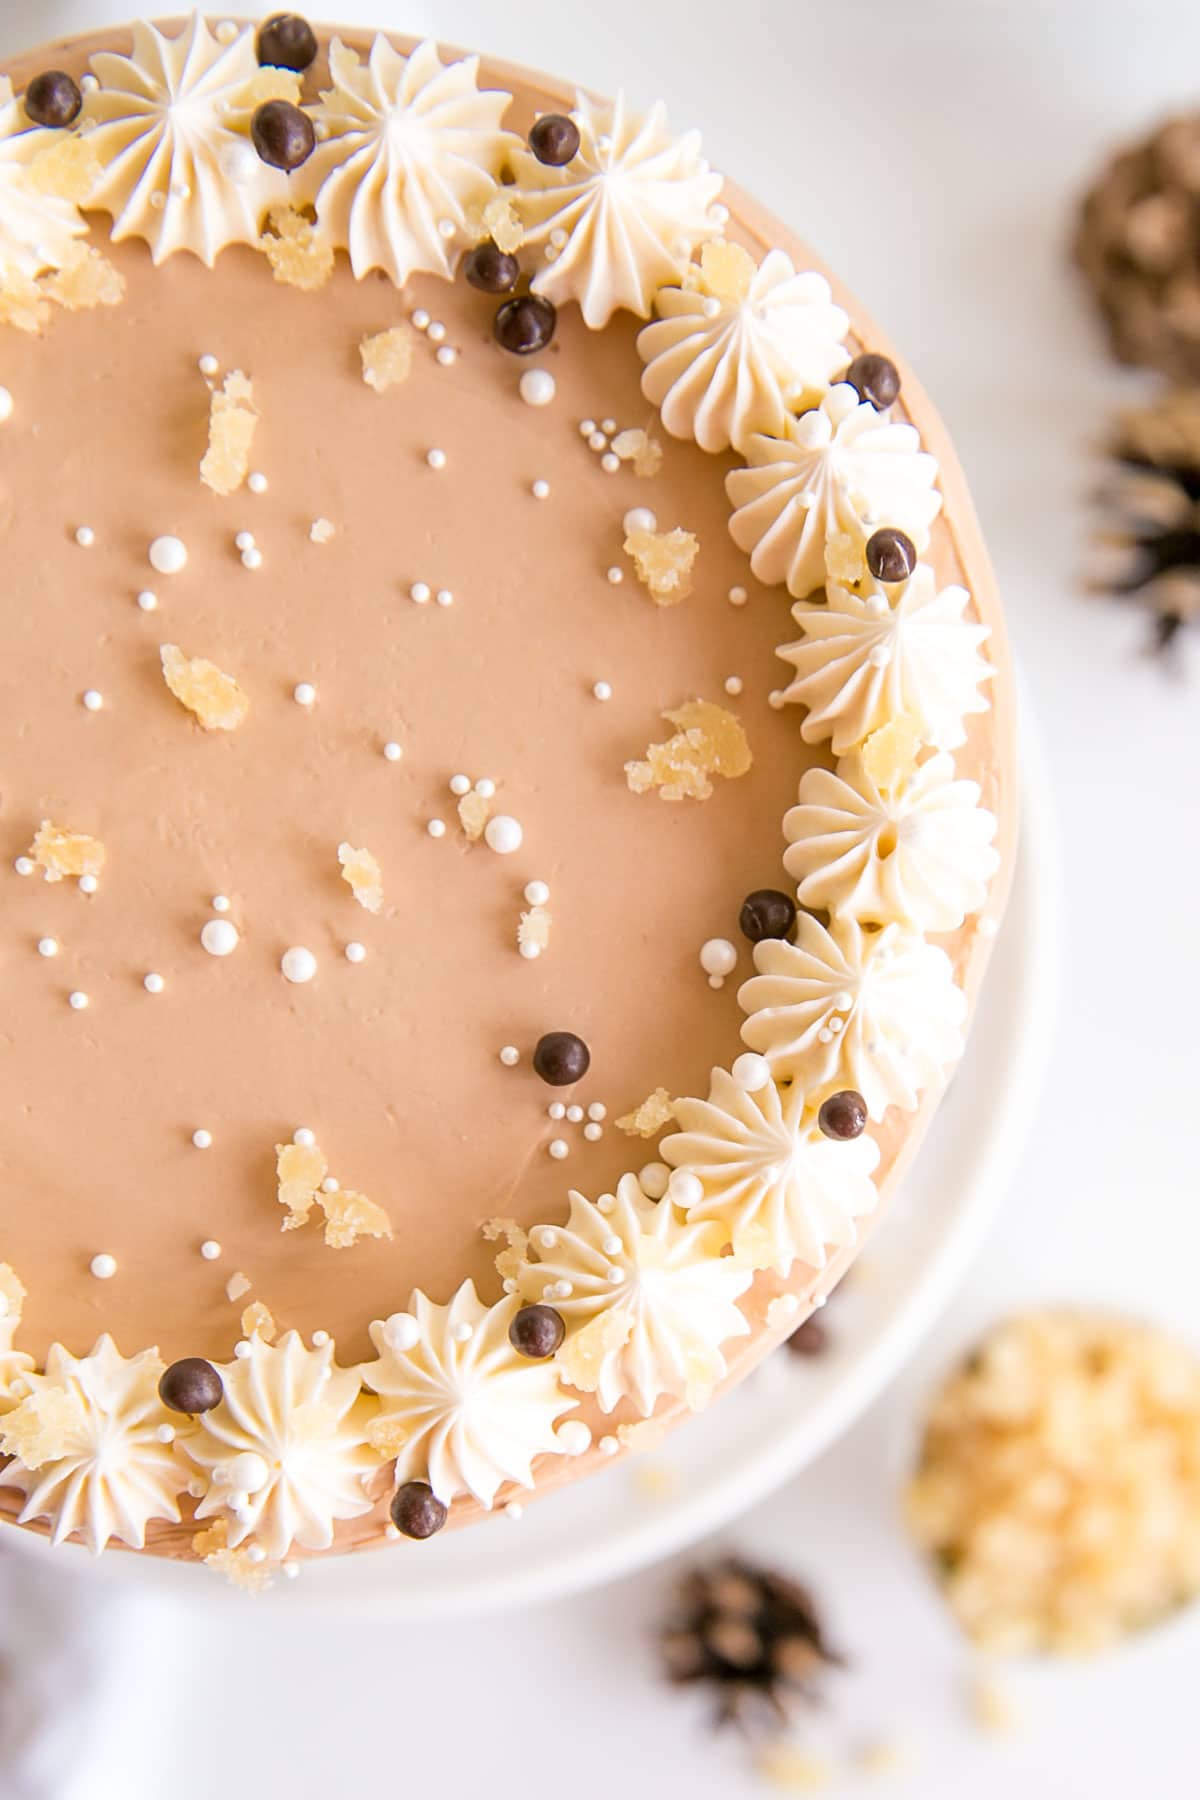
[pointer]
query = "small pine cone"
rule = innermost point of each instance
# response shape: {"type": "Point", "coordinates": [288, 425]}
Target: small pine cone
{"type": "Point", "coordinates": [1150, 502]}
{"type": "Point", "coordinates": [1138, 243]}
{"type": "Point", "coordinates": [751, 1635]}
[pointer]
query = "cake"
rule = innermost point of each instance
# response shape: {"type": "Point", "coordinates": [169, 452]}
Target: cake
{"type": "Point", "coordinates": [507, 786]}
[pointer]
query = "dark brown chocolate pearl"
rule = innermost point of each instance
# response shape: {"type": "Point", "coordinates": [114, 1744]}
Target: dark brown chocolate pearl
{"type": "Point", "coordinates": [53, 99]}
{"type": "Point", "coordinates": [191, 1386]}
{"type": "Point", "coordinates": [554, 140]}
{"type": "Point", "coordinates": [843, 1115]}
{"type": "Point", "coordinates": [561, 1058]}
{"type": "Point", "coordinates": [283, 135]}
{"type": "Point", "coordinates": [286, 41]}
{"type": "Point", "coordinates": [525, 324]}
{"type": "Point", "coordinates": [491, 269]}
{"type": "Point", "coordinates": [876, 378]}
{"type": "Point", "coordinates": [537, 1331]}
{"type": "Point", "coordinates": [417, 1511]}
{"type": "Point", "coordinates": [767, 913]}
{"type": "Point", "coordinates": [891, 555]}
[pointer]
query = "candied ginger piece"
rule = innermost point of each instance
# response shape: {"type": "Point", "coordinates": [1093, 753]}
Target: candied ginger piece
{"type": "Point", "coordinates": [664, 561]}
{"type": "Point", "coordinates": [474, 811]}
{"type": "Point", "coordinates": [23, 305]}
{"type": "Point", "coordinates": [269, 84]}
{"type": "Point", "coordinates": [533, 933]}
{"type": "Point", "coordinates": [498, 220]}
{"type": "Point", "coordinates": [299, 1171]}
{"type": "Point", "coordinates": [387, 1435]}
{"type": "Point", "coordinates": [239, 1568]}
{"type": "Point", "coordinates": [86, 279]}
{"type": "Point", "coordinates": [214, 1537]}
{"type": "Point", "coordinates": [641, 1434]}
{"type": "Point", "coordinates": [213, 697]}
{"type": "Point", "coordinates": [756, 1249]}
{"type": "Point", "coordinates": [510, 1259]}
{"type": "Point", "coordinates": [710, 741]}
{"type": "Point", "coordinates": [648, 1119]}
{"type": "Point", "coordinates": [846, 558]}
{"type": "Point", "coordinates": [59, 853]}
{"type": "Point", "coordinates": [237, 1287]}
{"type": "Point", "coordinates": [582, 1356]}
{"type": "Point", "coordinates": [350, 1216]}
{"type": "Point", "coordinates": [387, 357]}
{"type": "Point", "coordinates": [362, 875]}
{"type": "Point", "coordinates": [42, 1428]}
{"type": "Point", "coordinates": [67, 169]}
{"type": "Point", "coordinates": [232, 422]}
{"type": "Point", "coordinates": [726, 271]}
{"type": "Point", "coordinates": [259, 1318]}
{"type": "Point", "coordinates": [299, 255]}
{"type": "Point", "coordinates": [890, 754]}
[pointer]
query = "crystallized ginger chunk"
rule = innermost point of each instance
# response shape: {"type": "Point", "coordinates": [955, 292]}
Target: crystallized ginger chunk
{"type": "Point", "coordinates": [269, 84]}
{"type": "Point", "coordinates": [639, 448]}
{"type": "Point", "coordinates": [474, 811]}
{"type": "Point", "coordinates": [362, 875]}
{"type": "Point", "coordinates": [889, 755]}
{"type": "Point", "coordinates": [387, 1435]}
{"type": "Point", "coordinates": [299, 1171]}
{"type": "Point", "coordinates": [67, 169]}
{"type": "Point", "coordinates": [213, 697]}
{"type": "Point", "coordinates": [387, 357]}
{"type": "Point", "coordinates": [510, 1259]}
{"type": "Point", "coordinates": [648, 1119]}
{"type": "Point", "coordinates": [498, 220]}
{"type": "Point", "coordinates": [350, 1216]}
{"type": "Point", "coordinates": [59, 853]}
{"type": "Point", "coordinates": [726, 271]}
{"type": "Point", "coordinates": [299, 255]}
{"type": "Point", "coordinates": [533, 933]}
{"type": "Point", "coordinates": [22, 302]}
{"type": "Point", "coordinates": [232, 421]}
{"type": "Point", "coordinates": [710, 741]}
{"type": "Point", "coordinates": [237, 1287]}
{"type": "Point", "coordinates": [42, 1428]}
{"type": "Point", "coordinates": [583, 1355]}
{"type": "Point", "coordinates": [86, 279]}
{"type": "Point", "coordinates": [259, 1318]}
{"type": "Point", "coordinates": [664, 561]}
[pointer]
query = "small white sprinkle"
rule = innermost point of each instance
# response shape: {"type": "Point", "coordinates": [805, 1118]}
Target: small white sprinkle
{"type": "Point", "coordinates": [446, 229]}
{"type": "Point", "coordinates": [401, 1332]}
{"type": "Point", "coordinates": [436, 828]}
{"type": "Point", "coordinates": [610, 463]}
{"type": "Point", "coordinates": [256, 1553]}
{"type": "Point", "coordinates": [558, 237]}
{"type": "Point", "coordinates": [210, 1250]}
{"type": "Point", "coordinates": [304, 693]}
{"type": "Point", "coordinates": [503, 834]}
{"type": "Point", "coordinates": [608, 1445]}
{"type": "Point", "coordinates": [558, 1148]}
{"type": "Point", "coordinates": [462, 1333]}
{"type": "Point", "coordinates": [574, 1437]}
{"type": "Point", "coordinates": [320, 1339]}
{"type": "Point", "coordinates": [257, 482]}
{"type": "Point", "coordinates": [460, 784]}
{"type": "Point", "coordinates": [711, 307]}
{"type": "Point", "coordinates": [733, 684]}
{"type": "Point", "coordinates": [304, 1137]}
{"type": "Point", "coordinates": [153, 983]}
{"type": "Point", "coordinates": [168, 555]}
{"type": "Point", "coordinates": [602, 690]}
{"type": "Point", "coordinates": [421, 319]}
{"type": "Point", "coordinates": [208, 364]}
{"type": "Point", "coordinates": [88, 884]}
{"type": "Point", "coordinates": [244, 540]}
{"type": "Point", "coordinates": [880, 656]}
{"type": "Point", "coordinates": [575, 1114]}
{"type": "Point", "coordinates": [718, 956]}
{"type": "Point", "coordinates": [606, 1204]}
{"type": "Point", "coordinates": [392, 751]}
{"type": "Point", "coordinates": [420, 591]}
{"type": "Point", "coordinates": [290, 1570]}
{"type": "Point", "coordinates": [24, 865]}
{"type": "Point", "coordinates": [653, 1179]}
{"type": "Point", "coordinates": [639, 518]}
{"type": "Point", "coordinates": [510, 1056]}
{"type": "Point", "coordinates": [537, 387]}
{"type": "Point", "coordinates": [103, 1266]}
{"type": "Point", "coordinates": [7, 405]}
{"type": "Point", "coordinates": [436, 330]}
{"type": "Point", "coordinates": [684, 1189]}
{"type": "Point", "coordinates": [444, 597]}
{"type": "Point", "coordinates": [561, 1290]}
{"type": "Point", "coordinates": [597, 441]}
{"type": "Point", "coordinates": [220, 937]}
{"type": "Point", "coordinates": [597, 1110]}
{"type": "Point", "coordinates": [612, 1245]}
{"type": "Point", "coordinates": [202, 1139]}
{"type": "Point", "coordinates": [514, 1510]}
{"type": "Point", "coordinates": [824, 1036]}
{"type": "Point", "coordinates": [540, 490]}
{"type": "Point", "coordinates": [537, 893]}
{"type": "Point", "coordinates": [436, 458]}
{"type": "Point", "coordinates": [47, 946]}
{"type": "Point", "coordinates": [93, 699]}
{"type": "Point", "coordinates": [529, 950]}
{"type": "Point", "coordinates": [751, 1071]}
{"type": "Point", "coordinates": [716, 981]}
{"type": "Point", "coordinates": [586, 427]}
{"type": "Point", "coordinates": [593, 1132]}
{"type": "Point", "coordinates": [615, 1276]}
{"type": "Point", "coordinates": [225, 31]}
{"type": "Point", "coordinates": [776, 699]}
{"type": "Point", "coordinates": [241, 1351]}
{"type": "Point", "coordinates": [446, 354]}
{"type": "Point", "coordinates": [77, 1001]}
{"type": "Point", "coordinates": [485, 787]}
{"type": "Point", "coordinates": [298, 964]}
{"type": "Point", "coordinates": [252, 558]}
{"type": "Point", "coordinates": [356, 952]}
{"type": "Point", "coordinates": [556, 1110]}
{"type": "Point", "coordinates": [330, 1185]}
{"type": "Point", "coordinates": [615, 575]}
{"type": "Point", "coordinates": [147, 601]}
{"type": "Point", "coordinates": [85, 537]}
{"type": "Point", "coordinates": [220, 903]}
{"type": "Point", "coordinates": [843, 1001]}
{"type": "Point", "coordinates": [718, 213]}
{"type": "Point", "coordinates": [738, 596]}
{"type": "Point", "coordinates": [547, 1237]}
{"type": "Point", "coordinates": [609, 425]}
{"type": "Point", "coordinates": [165, 1434]}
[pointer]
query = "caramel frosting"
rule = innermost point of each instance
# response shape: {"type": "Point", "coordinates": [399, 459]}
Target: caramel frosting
{"type": "Point", "coordinates": [320, 824]}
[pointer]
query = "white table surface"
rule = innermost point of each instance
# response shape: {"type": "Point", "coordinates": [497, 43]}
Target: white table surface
{"type": "Point", "coordinates": [932, 149]}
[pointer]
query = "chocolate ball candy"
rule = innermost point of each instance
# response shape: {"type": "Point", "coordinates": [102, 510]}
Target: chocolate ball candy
{"type": "Point", "coordinates": [283, 135]}
{"type": "Point", "coordinates": [53, 99]}
{"type": "Point", "coordinates": [525, 325]}
{"type": "Point", "coordinates": [286, 41]}
{"type": "Point", "coordinates": [491, 269]}
{"type": "Point", "coordinates": [536, 1331]}
{"type": "Point", "coordinates": [554, 139]}
{"type": "Point", "coordinates": [876, 378]}
{"type": "Point", "coordinates": [191, 1386]}
{"type": "Point", "coordinates": [417, 1511]}
{"type": "Point", "coordinates": [561, 1058]}
{"type": "Point", "coordinates": [767, 913]}
{"type": "Point", "coordinates": [891, 554]}
{"type": "Point", "coordinates": [843, 1115]}
{"type": "Point", "coordinates": [809, 1339]}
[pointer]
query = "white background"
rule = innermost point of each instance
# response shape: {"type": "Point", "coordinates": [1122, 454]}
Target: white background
{"type": "Point", "coordinates": [933, 151]}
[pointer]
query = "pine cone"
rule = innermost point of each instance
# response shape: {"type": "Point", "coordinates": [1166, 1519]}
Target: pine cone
{"type": "Point", "coordinates": [752, 1635]}
{"type": "Point", "coordinates": [1138, 243]}
{"type": "Point", "coordinates": [1151, 505]}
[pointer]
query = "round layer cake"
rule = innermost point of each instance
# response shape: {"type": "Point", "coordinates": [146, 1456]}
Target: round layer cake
{"type": "Point", "coordinates": [506, 783]}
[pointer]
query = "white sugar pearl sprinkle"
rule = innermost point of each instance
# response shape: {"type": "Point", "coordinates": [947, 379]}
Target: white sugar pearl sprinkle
{"type": "Point", "coordinates": [330, 1185]}
{"type": "Point", "coordinates": [558, 1148]}
{"type": "Point", "coordinates": [609, 425]}
{"type": "Point", "coordinates": [653, 1179]}
{"type": "Point", "coordinates": [540, 490]}
{"type": "Point", "coordinates": [446, 354]}
{"type": "Point", "coordinates": [685, 1189]}
{"type": "Point", "coordinates": [575, 1114]}
{"type": "Point", "coordinates": [153, 984]}
{"type": "Point", "coordinates": [718, 957]}
{"type": "Point", "coordinates": [85, 537]}
{"type": "Point", "coordinates": [220, 937]}
{"type": "Point", "coordinates": [597, 1110]}
{"type": "Point", "coordinates": [610, 462]}
{"type": "Point", "coordinates": [244, 540]}
{"type": "Point", "coordinates": [444, 597]}
{"type": "Point", "coordinates": [421, 319]}
{"type": "Point", "coordinates": [47, 946]}
{"type": "Point", "coordinates": [485, 787]}
{"type": "Point", "coordinates": [252, 558]}
{"type": "Point", "coordinates": [510, 1056]}
{"type": "Point", "coordinates": [436, 458]}
{"type": "Point", "coordinates": [168, 555]}
{"type": "Point", "coordinates": [392, 751]}
{"type": "Point", "coordinates": [420, 591]}
{"type": "Point", "coordinates": [93, 699]}
{"type": "Point", "coordinates": [733, 684]}
{"type": "Point", "coordinates": [602, 690]}
{"type": "Point", "coordinates": [574, 1437]}
{"type": "Point", "coordinates": [436, 330]}
{"type": "Point", "coordinates": [210, 1250]}
{"type": "Point", "coordinates": [77, 1001]}
{"type": "Point", "coordinates": [103, 1266]}
{"type": "Point", "coordinates": [615, 576]}
{"type": "Point", "coordinates": [304, 1137]}
{"type": "Point", "coordinates": [751, 1071]}
{"type": "Point", "coordinates": [88, 884]}
{"type": "Point", "coordinates": [738, 596]}
{"type": "Point", "coordinates": [593, 1132]}
{"type": "Point", "coordinates": [777, 699]}
{"type": "Point", "coordinates": [320, 1339]}
{"type": "Point", "coordinates": [24, 865]}
{"type": "Point", "coordinates": [257, 482]}
{"type": "Point", "coordinates": [597, 441]}
{"type": "Point", "coordinates": [220, 903]}
{"type": "Point", "coordinates": [202, 1139]}
{"type": "Point", "coordinates": [556, 1110]}
{"type": "Point", "coordinates": [503, 834]}
{"type": "Point", "coordinates": [586, 427]}
{"type": "Point", "coordinates": [147, 601]}
{"type": "Point", "coordinates": [355, 952]}
{"type": "Point", "coordinates": [298, 964]}
{"type": "Point", "coordinates": [463, 1332]}
{"type": "Point", "coordinates": [537, 387]}
{"type": "Point", "coordinates": [304, 693]}
{"type": "Point", "coordinates": [639, 518]}
{"type": "Point", "coordinates": [460, 784]}
{"type": "Point", "coordinates": [608, 1445]}
{"type": "Point", "coordinates": [436, 828]}
{"type": "Point", "coordinates": [537, 893]}
{"type": "Point", "coordinates": [208, 364]}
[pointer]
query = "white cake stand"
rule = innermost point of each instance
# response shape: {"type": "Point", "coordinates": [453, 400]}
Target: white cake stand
{"type": "Point", "coordinates": [784, 1415]}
